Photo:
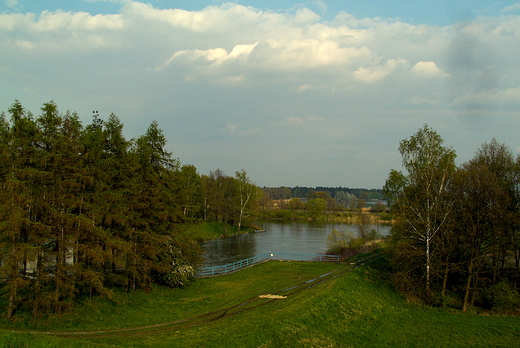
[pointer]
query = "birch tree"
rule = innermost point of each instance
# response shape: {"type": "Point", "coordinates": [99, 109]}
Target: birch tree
{"type": "Point", "coordinates": [245, 193]}
{"type": "Point", "coordinates": [420, 195]}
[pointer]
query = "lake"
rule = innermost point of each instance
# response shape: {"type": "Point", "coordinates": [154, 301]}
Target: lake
{"type": "Point", "coordinates": [281, 237]}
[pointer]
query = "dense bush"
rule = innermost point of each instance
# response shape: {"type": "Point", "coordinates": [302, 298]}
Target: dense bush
{"type": "Point", "coordinates": [345, 243]}
{"type": "Point", "coordinates": [503, 297]}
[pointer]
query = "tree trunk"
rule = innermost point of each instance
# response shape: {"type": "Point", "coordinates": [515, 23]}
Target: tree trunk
{"type": "Point", "coordinates": [13, 288]}
{"type": "Point", "coordinates": [468, 286]}
{"type": "Point", "coordinates": [494, 253]}
{"type": "Point", "coordinates": [475, 285]}
{"type": "Point", "coordinates": [517, 266]}
{"type": "Point", "coordinates": [445, 280]}
{"type": "Point", "coordinates": [11, 305]}
{"type": "Point", "coordinates": [428, 259]}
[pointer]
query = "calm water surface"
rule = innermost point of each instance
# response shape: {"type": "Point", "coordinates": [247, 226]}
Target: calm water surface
{"type": "Point", "coordinates": [282, 237]}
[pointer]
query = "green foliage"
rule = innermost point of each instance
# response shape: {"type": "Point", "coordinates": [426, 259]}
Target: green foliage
{"type": "Point", "coordinates": [456, 229]}
{"type": "Point", "coordinates": [379, 207]}
{"type": "Point", "coordinates": [344, 242]}
{"type": "Point", "coordinates": [339, 239]}
{"type": "Point", "coordinates": [83, 211]}
{"type": "Point", "coordinates": [504, 297]}
{"type": "Point", "coordinates": [231, 200]}
{"type": "Point", "coordinates": [386, 217]}
{"type": "Point", "coordinates": [316, 207]}
{"type": "Point", "coordinates": [181, 271]}
{"type": "Point", "coordinates": [190, 193]}
{"type": "Point", "coordinates": [295, 204]}
{"type": "Point", "coordinates": [284, 214]}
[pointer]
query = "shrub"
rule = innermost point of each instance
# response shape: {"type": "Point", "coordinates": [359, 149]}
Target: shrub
{"type": "Point", "coordinates": [503, 297]}
{"type": "Point", "coordinates": [284, 214]}
{"type": "Point", "coordinates": [386, 216]}
{"type": "Point", "coordinates": [344, 243]}
{"type": "Point", "coordinates": [405, 283]}
{"type": "Point", "coordinates": [339, 239]}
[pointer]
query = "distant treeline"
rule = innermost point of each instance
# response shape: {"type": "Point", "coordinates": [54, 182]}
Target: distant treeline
{"type": "Point", "coordinates": [338, 193]}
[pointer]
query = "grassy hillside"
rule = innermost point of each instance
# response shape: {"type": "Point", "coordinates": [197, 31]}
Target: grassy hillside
{"type": "Point", "coordinates": [354, 309]}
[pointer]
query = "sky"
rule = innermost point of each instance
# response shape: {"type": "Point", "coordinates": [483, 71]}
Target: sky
{"type": "Point", "coordinates": [309, 93]}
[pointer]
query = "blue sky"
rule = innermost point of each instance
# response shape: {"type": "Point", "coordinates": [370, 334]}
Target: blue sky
{"type": "Point", "coordinates": [415, 12]}
{"type": "Point", "coordinates": [311, 93]}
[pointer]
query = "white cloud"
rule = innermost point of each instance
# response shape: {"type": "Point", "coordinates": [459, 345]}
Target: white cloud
{"type": "Point", "coordinates": [310, 53]}
{"type": "Point", "coordinates": [511, 8]}
{"type": "Point", "coordinates": [54, 33]}
{"type": "Point", "coordinates": [15, 21]}
{"type": "Point", "coordinates": [11, 3]}
{"type": "Point", "coordinates": [295, 120]}
{"type": "Point", "coordinates": [380, 71]}
{"type": "Point", "coordinates": [215, 56]}
{"type": "Point", "coordinates": [275, 56]}
{"type": "Point", "coordinates": [490, 97]}
{"type": "Point", "coordinates": [422, 100]}
{"type": "Point", "coordinates": [321, 5]}
{"type": "Point", "coordinates": [231, 128]}
{"type": "Point", "coordinates": [65, 21]}
{"type": "Point", "coordinates": [212, 19]}
{"type": "Point", "coordinates": [306, 16]}
{"type": "Point", "coordinates": [428, 69]}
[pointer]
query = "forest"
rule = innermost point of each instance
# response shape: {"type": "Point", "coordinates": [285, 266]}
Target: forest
{"type": "Point", "coordinates": [456, 233]}
{"type": "Point", "coordinates": [85, 212]}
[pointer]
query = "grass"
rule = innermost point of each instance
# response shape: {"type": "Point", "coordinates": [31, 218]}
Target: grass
{"type": "Point", "coordinates": [213, 230]}
{"type": "Point", "coordinates": [356, 309]}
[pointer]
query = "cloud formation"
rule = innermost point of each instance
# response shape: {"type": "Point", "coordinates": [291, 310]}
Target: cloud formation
{"type": "Point", "coordinates": [323, 102]}
{"type": "Point", "coordinates": [428, 69]}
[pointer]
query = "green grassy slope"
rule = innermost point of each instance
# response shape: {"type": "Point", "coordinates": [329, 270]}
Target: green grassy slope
{"type": "Point", "coordinates": [355, 309]}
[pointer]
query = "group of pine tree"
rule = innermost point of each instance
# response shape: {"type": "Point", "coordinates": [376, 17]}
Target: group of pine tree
{"type": "Point", "coordinates": [456, 236]}
{"type": "Point", "coordinates": [84, 211]}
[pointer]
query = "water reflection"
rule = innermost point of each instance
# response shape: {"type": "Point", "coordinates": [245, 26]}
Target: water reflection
{"type": "Point", "coordinates": [283, 237]}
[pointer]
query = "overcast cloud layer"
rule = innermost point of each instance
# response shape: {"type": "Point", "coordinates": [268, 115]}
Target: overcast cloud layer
{"type": "Point", "coordinates": [290, 97]}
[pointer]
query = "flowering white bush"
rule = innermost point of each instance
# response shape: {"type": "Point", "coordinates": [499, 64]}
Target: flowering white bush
{"type": "Point", "coordinates": [181, 271]}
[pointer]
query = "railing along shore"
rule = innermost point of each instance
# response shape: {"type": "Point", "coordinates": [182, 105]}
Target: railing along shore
{"type": "Point", "coordinates": [235, 266]}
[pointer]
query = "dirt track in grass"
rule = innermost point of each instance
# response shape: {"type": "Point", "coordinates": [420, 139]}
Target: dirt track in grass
{"type": "Point", "coordinates": [254, 301]}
